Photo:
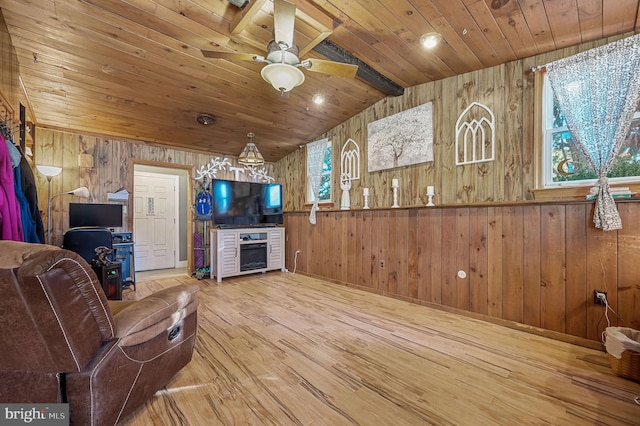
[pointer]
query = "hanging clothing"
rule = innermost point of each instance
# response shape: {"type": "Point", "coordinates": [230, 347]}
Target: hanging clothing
{"type": "Point", "coordinates": [28, 185]}
{"type": "Point", "coordinates": [10, 221]}
{"type": "Point", "coordinates": [28, 224]}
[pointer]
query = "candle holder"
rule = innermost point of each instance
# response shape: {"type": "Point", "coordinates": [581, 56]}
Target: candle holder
{"type": "Point", "coordinates": [430, 201]}
{"type": "Point", "coordinates": [366, 202]}
{"type": "Point", "coordinates": [395, 197]}
{"type": "Point", "coordinates": [430, 195]}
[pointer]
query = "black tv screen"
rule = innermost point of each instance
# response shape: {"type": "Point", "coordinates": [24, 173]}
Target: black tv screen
{"type": "Point", "coordinates": [246, 203]}
{"type": "Point", "coordinates": [103, 215]}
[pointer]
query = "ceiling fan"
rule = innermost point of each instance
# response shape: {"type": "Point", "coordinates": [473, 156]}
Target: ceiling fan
{"type": "Point", "coordinates": [283, 64]}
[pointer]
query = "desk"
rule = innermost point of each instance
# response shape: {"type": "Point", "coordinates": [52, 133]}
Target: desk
{"type": "Point", "coordinates": [123, 251]}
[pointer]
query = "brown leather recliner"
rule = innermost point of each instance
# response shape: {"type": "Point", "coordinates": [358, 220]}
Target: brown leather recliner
{"type": "Point", "coordinates": [63, 341]}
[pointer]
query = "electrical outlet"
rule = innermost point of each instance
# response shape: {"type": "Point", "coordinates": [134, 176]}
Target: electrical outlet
{"type": "Point", "coordinates": [382, 264]}
{"type": "Point", "coordinates": [599, 297]}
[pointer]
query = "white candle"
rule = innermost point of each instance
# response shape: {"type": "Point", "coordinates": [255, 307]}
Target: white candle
{"type": "Point", "coordinates": [366, 191]}
{"type": "Point", "coordinates": [394, 183]}
{"type": "Point", "coordinates": [430, 190]}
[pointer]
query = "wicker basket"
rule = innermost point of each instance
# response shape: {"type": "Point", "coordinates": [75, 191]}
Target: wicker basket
{"type": "Point", "coordinates": [628, 366]}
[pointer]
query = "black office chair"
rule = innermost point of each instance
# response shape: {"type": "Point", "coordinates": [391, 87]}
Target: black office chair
{"type": "Point", "coordinates": [84, 241]}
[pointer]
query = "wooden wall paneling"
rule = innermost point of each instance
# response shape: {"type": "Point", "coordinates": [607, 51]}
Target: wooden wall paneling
{"type": "Point", "coordinates": [88, 176]}
{"type": "Point", "coordinates": [413, 252]}
{"type": "Point", "coordinates": [392, 256]}
{"type": "Point", "coordinates": [436, 266]}
{"type": "Point", "coordinates": [478, 260]}
{"type": "Point", "coordinates": [425, 174]}
{"type": "Point", "coordinates": [402, 252]}
{"type": "Point", "coordinates": [339, 247]}
{"type": "Point", "coordinates": [355, 247]}
{"type": "Point", "coordinates": [57, 184]}
{"type": "Point", "coordinates": [9, 67]}
{"type": "Point", "coordinates": [291, 241]}
{"type": "Point", "coordinates": [463, 245]}
{"type": "Point", "coordinates": [552, 267]}
{"type": "Point", "coordinates": [487, 83]}
{"type": "Point", "coordinates": [577, 296]}
{"type": "Point", "coordinates": [435, 178]}
{"type": "Point", "coordinates": [494, 254]}
{"type": "Point", "coordinates": [602, 274]}
{"type": "Point", "coordinates": [446, 131]}
{"type": "Point", "coordinates": [536, 264]}
{"type": "Point", "coordinates": [513, 159]}
{"type": "Point", "coordinates": [628, 271]}
{"type": "Point", "coordinates": [347, 245]}
{"type": "Point", "coordinates": [424, 253]}
{"type": "Point", "coordinates": [531, 266]}
{"type": "Point", "coordinates": [107, 167]}
{"type": "Point", "coordinates": [498, 166]}
{"type": "Point", "coordinates": [309, 243]}
{"type": "Point", "coordinates": [65, 146]}
{"type": "Point", "coordinates": [374, 278]}
{"type": "Point", "coordinates": [315, 244]}
{"type": "Point", "coordinates": [366, 249]}
{"type": "Point", "coordinates": [528, 131]}
{"type": "Point", "coordinates": [467, 175]}
{"type": "Point", "coordinates": [448, 247]}
{"type": "Point", "coordinates": [325, 230]}
{"type": "Point", "coordinates": [513, 263]}
{"type": "Point", "coordinates": [382, 226]}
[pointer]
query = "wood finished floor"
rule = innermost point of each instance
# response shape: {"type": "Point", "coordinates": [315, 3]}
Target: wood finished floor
{"type": "Point", "coordinates": [286, 349]}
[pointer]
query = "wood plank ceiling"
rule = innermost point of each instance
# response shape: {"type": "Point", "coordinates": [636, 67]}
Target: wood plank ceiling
{"type": "Point", "coordinates": [134, 69]}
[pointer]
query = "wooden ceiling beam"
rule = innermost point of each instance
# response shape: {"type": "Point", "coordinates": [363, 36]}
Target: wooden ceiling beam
{"type": "Point", "coordinates": [365, 72]}
{"type": "Point", "coordinates": [244, 16]}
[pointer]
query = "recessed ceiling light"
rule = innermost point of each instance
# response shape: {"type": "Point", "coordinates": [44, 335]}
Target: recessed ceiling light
{"type": "Point", "coordinates": [205, 119]}
{"type": "Point", "coordinates": [430, 40]}
{"type": "Point", "coordinates": [317, 99]}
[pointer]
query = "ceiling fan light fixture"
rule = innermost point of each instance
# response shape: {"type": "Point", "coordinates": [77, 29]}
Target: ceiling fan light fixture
{"type": "Point", "coordinates": [250, 156]}
{"type": "Point", "coordinates": [283, 77]}
{"type": "Point", "coordinates": [430, 40]}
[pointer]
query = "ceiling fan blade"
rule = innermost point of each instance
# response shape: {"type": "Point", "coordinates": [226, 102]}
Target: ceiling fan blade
{"type": "Point", "coordinates": [331, 67]}
{"type": "Point", "coordinates": [284, 18]}
{"type": "Point", "coordinates": [229, 55]}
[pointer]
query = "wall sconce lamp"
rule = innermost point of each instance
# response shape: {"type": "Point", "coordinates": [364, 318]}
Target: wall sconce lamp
{"type": "Point", "coordinates": [250, 156]}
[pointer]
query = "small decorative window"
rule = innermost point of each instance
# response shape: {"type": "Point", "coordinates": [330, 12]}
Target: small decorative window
{"type": "Point", "coordinates": [325, 183]}
{"type": "Point", "coordinates": [563, 162]}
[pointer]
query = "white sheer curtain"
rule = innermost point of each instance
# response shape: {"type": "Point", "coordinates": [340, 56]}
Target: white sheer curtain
{"type": "Point", "coordinates": [598, 92]}
{"type": "Point", "coordinates": [315, 160]}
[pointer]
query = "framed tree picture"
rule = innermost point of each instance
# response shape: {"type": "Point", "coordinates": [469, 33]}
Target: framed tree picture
{"type": "Point", "coordinates": [401, 139]}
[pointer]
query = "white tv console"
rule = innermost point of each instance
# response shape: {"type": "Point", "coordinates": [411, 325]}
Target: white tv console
{"type": "Point", "coordinates": [240, 251]}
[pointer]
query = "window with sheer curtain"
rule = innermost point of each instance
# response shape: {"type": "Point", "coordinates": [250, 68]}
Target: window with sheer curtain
{"type": "Point", "coordinates": [564, 164]}
{"type": "Point", "coordinates": [598, 92]}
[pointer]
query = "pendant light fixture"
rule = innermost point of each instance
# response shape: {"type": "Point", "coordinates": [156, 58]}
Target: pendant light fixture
{"type": "Point", "coordinates": [250, 156]}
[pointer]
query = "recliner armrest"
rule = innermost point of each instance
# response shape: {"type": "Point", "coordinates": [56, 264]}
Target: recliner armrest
{"type": "Point", "coordinates": [140, 321]}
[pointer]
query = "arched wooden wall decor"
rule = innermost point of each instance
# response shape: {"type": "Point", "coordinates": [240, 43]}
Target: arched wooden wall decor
{"type": "Point", "coordinates": [350, 159]}
{"type": "Point", "coordinates": [475, 135]}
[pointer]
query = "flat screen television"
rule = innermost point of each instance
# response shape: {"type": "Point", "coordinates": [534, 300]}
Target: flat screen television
{"type": "Point", "coordinates": [103, 215]}
{"type": "Point", "coordinates": [246, 203]}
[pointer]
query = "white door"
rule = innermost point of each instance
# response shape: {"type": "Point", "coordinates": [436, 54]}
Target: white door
{"type": "Point", "coordinates": [154, 214]}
